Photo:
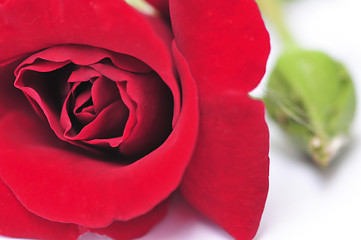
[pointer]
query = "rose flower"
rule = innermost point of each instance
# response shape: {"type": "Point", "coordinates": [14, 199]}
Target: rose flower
{"type": "Point", "coordinates": [105, 111]}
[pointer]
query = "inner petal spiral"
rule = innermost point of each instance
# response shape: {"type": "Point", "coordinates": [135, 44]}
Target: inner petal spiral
{"type": "Point", "coordinates": [95, 98]}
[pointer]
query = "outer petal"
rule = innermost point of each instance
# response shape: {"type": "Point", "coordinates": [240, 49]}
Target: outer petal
{"type": "Point", "coordinates": [226, 46]}
{"type": "Point", "coordinates": [16, 221]}
{"type": "Point", "coordinates": [114, 25]}
{"type": "Point", "coordinates": [224, 42]}
{"type": "Point", "coordinates": [227, 179]}
{"type": "Point", "coordinates": [136, 227]}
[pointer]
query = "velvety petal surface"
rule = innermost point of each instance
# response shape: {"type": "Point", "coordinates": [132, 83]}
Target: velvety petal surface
{"type": "Point", "coordinates": [223, 42]}
{"type": "Point", "coordinates": [227, 179]}
{"type": "Point", "coordinates": [32, 26]}
{"type": "Point", "coordinates": [226, 47]}
{"type": "Point", "coordinates": [135, 228]}
{"type": "Point", "coordinates": [17, 221]}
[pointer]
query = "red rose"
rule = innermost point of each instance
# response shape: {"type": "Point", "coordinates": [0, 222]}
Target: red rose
{"type": "Point", "coordinates": [105, 111]}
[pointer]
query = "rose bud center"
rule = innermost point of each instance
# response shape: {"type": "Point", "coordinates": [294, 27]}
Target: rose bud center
{"type": "Point", "coordinates": [98, 99]}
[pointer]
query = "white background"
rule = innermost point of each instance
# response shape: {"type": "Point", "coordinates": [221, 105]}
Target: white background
{"type": "Point", "coordinates": [304, 202]}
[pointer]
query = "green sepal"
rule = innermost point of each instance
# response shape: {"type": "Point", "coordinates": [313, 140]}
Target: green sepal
{"type": "Point", "coordinates": [312, 97]}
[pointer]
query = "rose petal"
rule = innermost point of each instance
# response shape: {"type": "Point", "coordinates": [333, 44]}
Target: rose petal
{"type": "Point", "coordinates": [108, 124]}
{"type": "Point", "coordinates": [84, 118]}
{"type": "Point", "coordinates": [77, 187]}
{"type": "Point", "coordinates": [82, 95]}
{"type": "Point", "coordinates": [132, 106]}
{"type": "Point", "coordinates": [65, 121]}
{"type": "Point", "coordinates": [224, 42]}
{"type": "Point", "coordinates": [154, 114]}
{"type": "Point", "coordinates": [83, 74]}
{"type": "Point", "coordinates": [104, 92]}
{"type": "Point", "coordinates": [232, 189]}
{"type": "Point", "coordinates": [40, 66]}
{"type": "Point", "coordinates": [10, 97]}
{"type": "Point", "coordinates": [79, 54]}
{"type": "Point", "coordinates": [46, 90]}
{"type": "Point", "coordinates": [17, 221]}
{"type": "Point", "coordinates": [134, 228]}
{"type": "Point", "coordinates": [154, 109]}
{"type": "Point", "coordinates": [227, 179]}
